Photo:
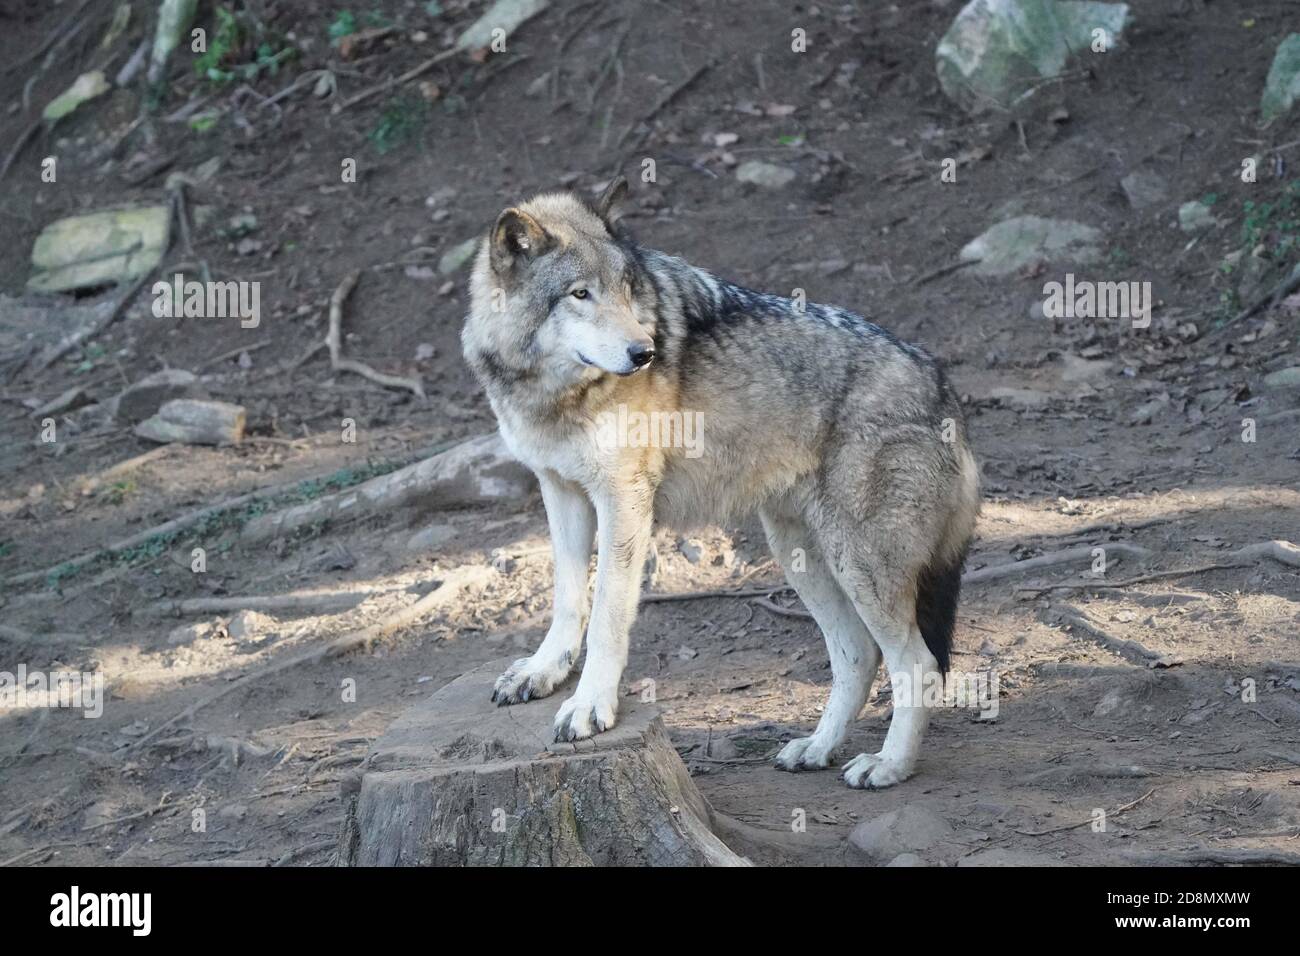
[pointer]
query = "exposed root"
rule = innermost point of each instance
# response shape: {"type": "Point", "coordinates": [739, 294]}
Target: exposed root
{"type": "Point", "coordinates": [334, 340]}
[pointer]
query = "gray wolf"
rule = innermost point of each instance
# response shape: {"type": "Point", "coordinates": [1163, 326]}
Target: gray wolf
{"type": "Point", "coordinates": [848, 442]}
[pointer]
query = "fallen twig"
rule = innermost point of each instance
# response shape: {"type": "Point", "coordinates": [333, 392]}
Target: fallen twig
{"type": "Point", "coordinates": [944, 270]}
{"type": "Point", "coordinates": [1083, 823]}
{"type": "Point", "coordinates": [334, 340]}
{"type": "Point", "coordinates": [406, 77]}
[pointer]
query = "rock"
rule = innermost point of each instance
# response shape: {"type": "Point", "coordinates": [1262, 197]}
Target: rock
{"type": "Point", "coordinates": [174, 18]}
{"type": "Point", "coordinates": [691, 550]}
{"type": "Point", "coordinates": [1282, 88]}
{"type": "Point", "coordinates": [723, 748]}
{"type": "Point", "coordinates": [87, 87]}
{"type": "Point", "coordinates": [907, 859]}
{"type": "Point", "coordinates": [1283, 378]}
{"type": "Point", "coordinates": [1148, 411]}
{"type": "Point", "coordinates": [248, 626]}
{"type": "Point", "coordinates": [189, 633]}
{"type": "Point", "coordinates": [904, 830]}
{"type": "Point", "coordinates": [1015, 243]}
{"type": "Point", "coordinates": [1110, 702]}
{"type": "Point", "coordinates": [431, 538]}
{"type": "Point", "coordinates": [458, 781]}
{"type": "Point", "coordinates": [1195, 216]}
{"type": "Point", "coordinates": [99, 248]}
{"type": "Point", "coordinates": [997, 50]}
{"type": "Point", "coordinates": [505, 15]}
{"type": "Point", "coordinates": [1000, 856]}
{"type": "Point", "coordinates": [143, 398]}
{"type": "Point", "coordinates": [767, 175]}
{"type": "Point", "coordinates": [195, 422]}
{"type": "Point", "coordinates": [1144, 190]}
{"type": "Point", "coordinates": [457, 256]}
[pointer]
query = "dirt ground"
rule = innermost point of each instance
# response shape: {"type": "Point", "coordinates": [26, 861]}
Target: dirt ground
{"type": "Point", "coordinates": [1118, 436]}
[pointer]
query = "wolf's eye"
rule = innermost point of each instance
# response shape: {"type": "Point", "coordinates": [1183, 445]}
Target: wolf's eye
{"type": "Point", "coordinates": [579, 293]}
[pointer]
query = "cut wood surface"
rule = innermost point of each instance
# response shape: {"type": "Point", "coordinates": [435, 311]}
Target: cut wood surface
{"type": "Point", "coordinates": [457, 780]}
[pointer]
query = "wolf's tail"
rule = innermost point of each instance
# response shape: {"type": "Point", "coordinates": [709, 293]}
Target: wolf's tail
{"type": "Point", "coordinates": [937, 591]}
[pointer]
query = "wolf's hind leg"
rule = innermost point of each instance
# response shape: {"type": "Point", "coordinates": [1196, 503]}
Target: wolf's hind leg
{"type": "Point", "coordinates": [853, 654]}
{"type": "Point", "coordinates": [572, 521]}
{"type": "Point", "coordinates": [911, 666]}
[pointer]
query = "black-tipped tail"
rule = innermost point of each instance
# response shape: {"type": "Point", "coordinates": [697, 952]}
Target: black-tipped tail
{"type": "Point", "coordinates": [936, 607]}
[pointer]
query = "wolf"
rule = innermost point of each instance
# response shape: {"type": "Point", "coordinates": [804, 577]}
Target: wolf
{"type": "Point", "coordinates": [848, 443]}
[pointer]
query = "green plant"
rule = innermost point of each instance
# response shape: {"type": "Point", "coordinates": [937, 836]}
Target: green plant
{"type": "Point", "coordinates": [1275, 225]}
{"type": "Point", "coordinates": [344, 24]}
{"type": "Point", "coordinates": [399, 122]}
{"type": "Point", "coordinates": [118, 492]}
{"type": "Point", "coordinates": [224, 60]}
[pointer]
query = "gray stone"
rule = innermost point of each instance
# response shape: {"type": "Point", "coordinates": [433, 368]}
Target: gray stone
{"type": "Point", "coordinates": [100, 248]}
{"type": "Point", "coordinates": [1283, 378]}
{"type": "Point", "coordinates": [1016, 243]}
{"type": "Point", "coordinates": [1144, 189]}
{"type": "Point", "coordinates": [766, 175]}
{"type": "Point", "coordinates": [457, 256]}
{"type": "Point", "coordinates": [1282, 88]}
{"type": "Point", "coordinates": [1195, 216]}
{"type": "Point", "coordinates": [997, 50]}
{"type": "Point", "coordinates": [247, 626]}
{"type": "Point", "coordinates": [143, 398]}
{"type": "Point", "coordinates": [908, 829]}
{"type": "Point", "coordinates": [691, 550]}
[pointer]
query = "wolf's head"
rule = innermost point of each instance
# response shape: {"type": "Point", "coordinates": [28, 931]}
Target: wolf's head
{"type": "Point", "coordinates": [556, 293]}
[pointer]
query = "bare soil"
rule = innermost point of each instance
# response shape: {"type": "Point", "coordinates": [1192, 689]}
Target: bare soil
{"type": "Point", "coordinates": [1089, 460]}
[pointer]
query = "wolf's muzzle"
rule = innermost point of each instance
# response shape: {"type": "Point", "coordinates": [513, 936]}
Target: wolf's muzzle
{"type": "Point", "coordinates": [640, 355]}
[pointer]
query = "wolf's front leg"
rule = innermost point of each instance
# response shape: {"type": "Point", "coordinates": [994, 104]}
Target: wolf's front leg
{"type": "Point", "coordinates": [572, 521]}
{"type": "Point", "coordinates": [623, 531]}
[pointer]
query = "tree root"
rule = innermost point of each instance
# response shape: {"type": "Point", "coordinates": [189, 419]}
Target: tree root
{"type": "Point", "coordinates": [334, 341]}
{"type": "Point", "coordinates": [456, 582]}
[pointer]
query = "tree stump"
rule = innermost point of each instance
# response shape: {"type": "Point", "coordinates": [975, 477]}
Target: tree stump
{"type": "Point", "coordinates": [458, 781]}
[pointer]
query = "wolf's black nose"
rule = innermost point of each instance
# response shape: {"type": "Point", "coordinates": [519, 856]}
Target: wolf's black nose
{"type": "Point", "coordinates": [641, 355]}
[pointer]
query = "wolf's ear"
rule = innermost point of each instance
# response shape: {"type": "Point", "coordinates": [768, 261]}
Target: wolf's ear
{"type": "Point", "coordinates": [609, 201]}
{"type": "Point", "coordinates": [518, 235]}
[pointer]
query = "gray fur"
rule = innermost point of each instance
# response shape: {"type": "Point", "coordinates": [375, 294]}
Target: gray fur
{"type": "Point", "coordinates": [849, 442]}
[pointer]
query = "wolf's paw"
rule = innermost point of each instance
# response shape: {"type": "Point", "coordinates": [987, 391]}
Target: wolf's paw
{"type": "Point", "coordinates": [804, 753]}
{"type": "Point", "coordinates": [527, 679]}
{"type": "Point", "coordinates": [874, 772]}
{"type": "Point", "coordinates": [584, 715]}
